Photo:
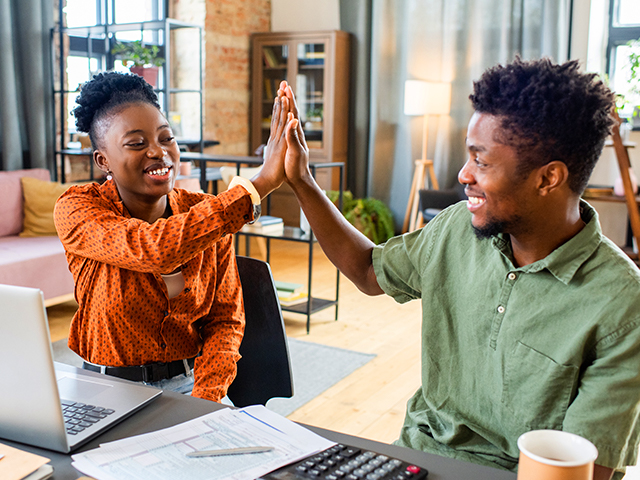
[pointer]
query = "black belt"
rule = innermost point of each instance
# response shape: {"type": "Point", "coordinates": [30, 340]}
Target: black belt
{"type": "Point", "coordinates": [144, 373]}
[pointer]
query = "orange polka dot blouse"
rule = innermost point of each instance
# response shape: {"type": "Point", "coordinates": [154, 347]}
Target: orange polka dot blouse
{"type": "Point", "coordinates": [125, 316]}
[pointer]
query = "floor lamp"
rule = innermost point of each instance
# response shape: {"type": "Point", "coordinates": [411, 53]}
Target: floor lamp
{"type": "Point", "coordinates": [426, 99]}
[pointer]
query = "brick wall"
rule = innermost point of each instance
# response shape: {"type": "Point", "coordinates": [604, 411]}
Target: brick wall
{"type": "Point", "coordinates": [228, 25]}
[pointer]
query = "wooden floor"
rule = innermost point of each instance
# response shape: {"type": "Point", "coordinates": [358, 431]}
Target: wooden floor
{"type": "Point", "coordinates": [371, 401]}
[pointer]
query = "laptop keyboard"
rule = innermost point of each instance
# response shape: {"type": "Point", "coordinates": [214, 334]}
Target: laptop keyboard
{"type": "Point", "coordinates": [342, 462]}
{"type": "Point", "coordinates": [79, 416]}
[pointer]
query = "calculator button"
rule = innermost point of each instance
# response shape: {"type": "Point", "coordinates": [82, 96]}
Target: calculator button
{"type": "Point", "coordinates": [349, 452]}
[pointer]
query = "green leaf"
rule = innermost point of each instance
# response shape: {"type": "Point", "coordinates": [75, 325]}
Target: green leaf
{"type": "Point", "coordinates": [138, 53]}
{"type": "Point", "coordinates": [369, 215]}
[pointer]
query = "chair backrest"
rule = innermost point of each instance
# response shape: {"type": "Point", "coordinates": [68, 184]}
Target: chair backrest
{"type": "Point", "coordinates": [433, 202]}
{"type": "Point", "coordinates": [264, 371]}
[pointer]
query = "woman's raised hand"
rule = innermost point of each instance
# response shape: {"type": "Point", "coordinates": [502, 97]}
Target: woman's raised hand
{"type": "Point", "coordinates": [296, 163]}
{"type": "Point", "coordinates": [272, 174]}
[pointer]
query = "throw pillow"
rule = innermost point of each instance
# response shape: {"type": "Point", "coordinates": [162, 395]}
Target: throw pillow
{"type": "Point", "coordinates": [11, 198]}
{"type": "Point", "coordinates": [39, 200]}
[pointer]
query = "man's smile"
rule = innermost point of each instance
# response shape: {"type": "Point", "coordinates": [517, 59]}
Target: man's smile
{"type": "Point", "coordinates": [474, 203]}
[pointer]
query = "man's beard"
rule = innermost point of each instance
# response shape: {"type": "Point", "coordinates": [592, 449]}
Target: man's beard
{"type": "Point", "coordinates": [489, 230]}
{"type": "Point", "coordinates": [493, 227]}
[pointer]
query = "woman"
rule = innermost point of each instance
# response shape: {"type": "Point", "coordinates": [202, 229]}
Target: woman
{"type": "Point", "coordinates": [154, 267]}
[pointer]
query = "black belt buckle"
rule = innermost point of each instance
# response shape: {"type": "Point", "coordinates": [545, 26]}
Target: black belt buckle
{"type": "Point", "coordinates": [154, 372]}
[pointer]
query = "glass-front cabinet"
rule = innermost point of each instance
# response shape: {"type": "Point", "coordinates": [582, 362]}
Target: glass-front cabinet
{"type": "Point", "coordinates": [316, 66]}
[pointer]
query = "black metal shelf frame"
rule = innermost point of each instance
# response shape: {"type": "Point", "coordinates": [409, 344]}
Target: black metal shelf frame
{"type": "Point", "coordinates": [291, 234]}
{"type": "Point", "coordinates": [107, 32]}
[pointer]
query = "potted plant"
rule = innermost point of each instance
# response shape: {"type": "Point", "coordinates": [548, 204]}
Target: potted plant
{"type": "Point", "coordinates": [145, 59]}
{"type": "Point", "coordinates": [314, 118]}
{"type": "Point", "coordinates": [632, 95]}
{"type": "Point", "coordinates": [369, 215]}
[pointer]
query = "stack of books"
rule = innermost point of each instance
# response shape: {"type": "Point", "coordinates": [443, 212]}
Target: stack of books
{"type": "Point", "coordinates": [290, 294]}
{"type": "Point", "coordinates": [266, 224]}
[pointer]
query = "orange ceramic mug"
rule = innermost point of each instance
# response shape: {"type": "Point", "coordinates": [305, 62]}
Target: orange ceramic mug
{"type": "Point", "coordinates": [555, 455]}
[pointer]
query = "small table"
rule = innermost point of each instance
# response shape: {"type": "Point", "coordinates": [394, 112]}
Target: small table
{"type": "Point", "coordinates": [613, 198]}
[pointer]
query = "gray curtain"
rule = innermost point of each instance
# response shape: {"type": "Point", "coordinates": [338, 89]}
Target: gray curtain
{"type": "Point", "coordinates": [444, 41]}
{"type": "Point", "coordinates": [26, 137]}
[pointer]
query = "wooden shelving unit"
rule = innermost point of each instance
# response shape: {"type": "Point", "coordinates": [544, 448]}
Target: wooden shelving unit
{"type": "Point", "coordinates": [316, 65]}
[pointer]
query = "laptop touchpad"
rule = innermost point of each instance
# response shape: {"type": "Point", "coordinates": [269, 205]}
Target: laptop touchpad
{"type": "Point", "coordinates": [75, 389]}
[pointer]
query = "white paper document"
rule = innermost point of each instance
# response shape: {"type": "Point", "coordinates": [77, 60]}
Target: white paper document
{"type": "Point", "coordinates": [162, 454]}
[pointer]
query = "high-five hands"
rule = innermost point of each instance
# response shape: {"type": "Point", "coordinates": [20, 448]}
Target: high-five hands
{"type": "Point", "coordinates": [296, 163]}
{"type": "Point", "coordinates": [286, 155]}
{"type": "Point", "coordinates": [272, 173]}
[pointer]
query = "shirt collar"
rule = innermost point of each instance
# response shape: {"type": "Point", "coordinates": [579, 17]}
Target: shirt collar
{"type": "Point", "coordinates": [565, 260]}
{"type": "Point", "coordinates": [110, 191]}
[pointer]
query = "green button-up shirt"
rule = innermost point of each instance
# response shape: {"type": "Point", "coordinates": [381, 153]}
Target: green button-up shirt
{"type": "Point", "coordinates": [554, 344]}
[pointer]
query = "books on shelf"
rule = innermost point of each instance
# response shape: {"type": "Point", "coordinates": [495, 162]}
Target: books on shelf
{"type": "Point", "coordinates": [265, 224]}
{"type": "Point", "coordinates": [268, 89]}
{"type": "Point", "coordinates": [315, 54]}
{"type": "Point", "coordinates": [287, 287]}
{"type": "Point", "coordinates": [270, 59]}
{"type": "Point", "coordinates": [290, 293]}
{"type": "Point", "coordinates": [292, 299]}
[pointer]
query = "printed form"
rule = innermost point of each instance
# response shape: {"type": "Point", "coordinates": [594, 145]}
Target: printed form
{"type": "Point", "coordinates": [162, 454]}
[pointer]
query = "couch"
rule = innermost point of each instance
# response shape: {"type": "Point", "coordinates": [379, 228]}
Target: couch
{"type": "Point", "coordinates": [36, 258]}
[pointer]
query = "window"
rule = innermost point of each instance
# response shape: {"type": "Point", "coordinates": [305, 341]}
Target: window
{"type": "Point", "coordinates": [89, 54]}
{"type": "Point", "coordinates": [624, 26]}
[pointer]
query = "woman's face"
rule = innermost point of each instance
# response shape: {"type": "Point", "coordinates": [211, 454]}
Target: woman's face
{"type": "Point", "coordinates": [138, 148]}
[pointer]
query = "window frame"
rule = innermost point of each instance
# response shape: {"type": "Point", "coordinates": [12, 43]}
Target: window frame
{"type": "Point", "coordinates": [80, 46]}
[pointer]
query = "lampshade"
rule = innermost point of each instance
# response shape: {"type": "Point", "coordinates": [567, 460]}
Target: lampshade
{"type": "Point", "coordinates": [426, 98]}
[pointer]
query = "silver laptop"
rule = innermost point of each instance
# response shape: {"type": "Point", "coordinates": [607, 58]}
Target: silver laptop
{"type": "Point", "coordinates": [35, 390]}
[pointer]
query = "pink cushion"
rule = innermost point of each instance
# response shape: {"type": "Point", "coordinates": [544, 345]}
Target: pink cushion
{"type": "Point", "coordinates": [37, 262]}
{"type": "Point", "coordinates": [11, 203]}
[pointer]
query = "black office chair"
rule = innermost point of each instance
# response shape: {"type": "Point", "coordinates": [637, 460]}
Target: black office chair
{"type": "Point", "coordinates": [432, 202]}
{"type": "Point", "coordinates": [264, 371]}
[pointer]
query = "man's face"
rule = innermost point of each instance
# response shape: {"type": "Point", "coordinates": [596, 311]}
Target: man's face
{"type": "Point", "coordinates": [500, 199]}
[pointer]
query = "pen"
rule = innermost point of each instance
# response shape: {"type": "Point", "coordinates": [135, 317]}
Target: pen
{"type": "Point", "coordinates": [229, 451]}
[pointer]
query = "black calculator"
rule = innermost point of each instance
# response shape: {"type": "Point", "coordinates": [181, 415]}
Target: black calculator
{"type": "Point", "coordinates": [343, 462]}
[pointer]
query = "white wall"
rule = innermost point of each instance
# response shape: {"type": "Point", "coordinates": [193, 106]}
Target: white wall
{"type": "Point", "coordinates": [580, 31]}
{"type": "Point", "coordinates": [304, 15]}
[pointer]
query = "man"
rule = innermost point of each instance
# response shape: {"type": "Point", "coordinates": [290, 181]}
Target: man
{"type": "Point", "coordinates": [530, 315]}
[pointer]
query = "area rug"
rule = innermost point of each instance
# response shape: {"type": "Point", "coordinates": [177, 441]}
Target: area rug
{"type": "Point", "coordinates": [315, 368]}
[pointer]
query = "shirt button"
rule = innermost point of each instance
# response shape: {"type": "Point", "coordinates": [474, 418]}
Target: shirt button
{"type": "Point", "coordinates": [512, 276]}
{"type": "Point", "coordinates": [500, 309]}
{"type": "Point", "coordinates": [163, 345]}
{"type": "Point", "coordinates": [187, 289]}
{"type": "Point", "coordinates": [165, 313]}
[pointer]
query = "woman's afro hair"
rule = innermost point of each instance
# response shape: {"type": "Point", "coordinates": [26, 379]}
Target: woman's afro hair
{"type": "Point", "coordinates": [106, 91]}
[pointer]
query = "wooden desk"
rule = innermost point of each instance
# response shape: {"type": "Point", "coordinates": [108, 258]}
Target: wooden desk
{"type": "Point", "coordinates": [173, 408]}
